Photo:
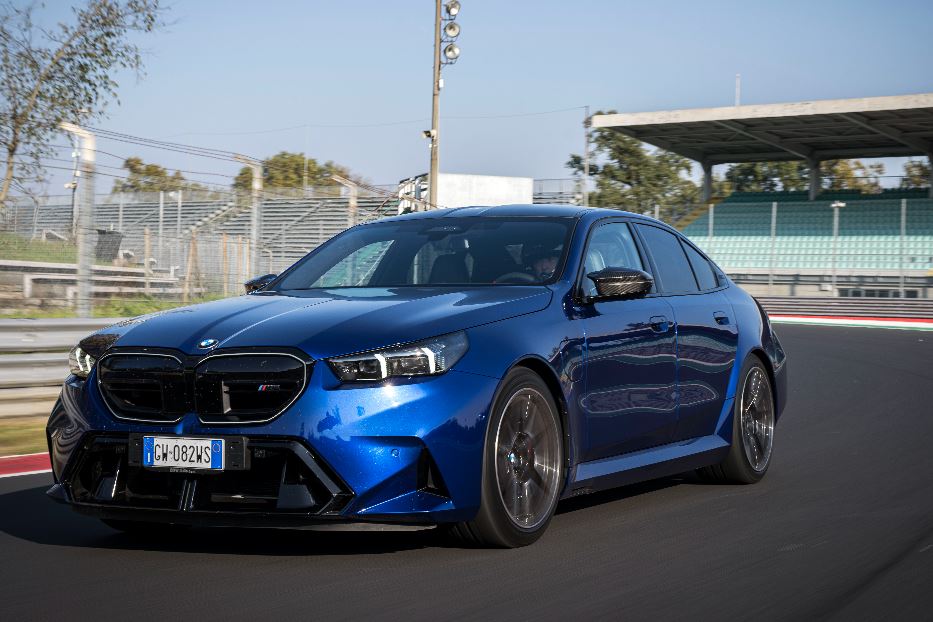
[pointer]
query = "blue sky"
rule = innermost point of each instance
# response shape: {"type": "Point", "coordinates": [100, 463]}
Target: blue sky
{"type": "Point", "coordinates": [229, 67]}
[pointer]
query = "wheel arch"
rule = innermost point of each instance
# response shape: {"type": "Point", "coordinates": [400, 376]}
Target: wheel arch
{"type": "Point", "coordinates": [759, 353]}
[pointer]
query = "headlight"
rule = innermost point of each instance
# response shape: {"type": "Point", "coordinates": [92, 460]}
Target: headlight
{"type": "Point", "coordinates": [80, 362]}
{"type": "Point", "coordinates": [425, 358]}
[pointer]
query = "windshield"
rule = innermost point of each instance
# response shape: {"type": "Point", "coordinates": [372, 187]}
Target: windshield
{"type": "Point", "coordinates": [437, 251]}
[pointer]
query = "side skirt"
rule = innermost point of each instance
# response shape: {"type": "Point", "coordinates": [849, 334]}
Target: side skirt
{"type": "Point", "coordinates": [639, 466]}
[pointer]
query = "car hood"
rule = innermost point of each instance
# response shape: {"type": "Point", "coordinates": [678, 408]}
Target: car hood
{"type": "Point", "coordinates": [327, 323]}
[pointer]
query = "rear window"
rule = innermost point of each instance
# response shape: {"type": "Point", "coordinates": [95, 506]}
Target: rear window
{"type": "Point", "coordinates": [674, 269]}
{"type": "Point", "coordinates": [704, 272]}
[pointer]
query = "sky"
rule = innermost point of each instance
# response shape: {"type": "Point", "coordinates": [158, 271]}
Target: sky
{"type": "Point", "coordinates": [353, 79]}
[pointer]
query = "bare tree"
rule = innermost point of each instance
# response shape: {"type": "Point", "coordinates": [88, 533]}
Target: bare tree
{"type": "Point", "coordinates": [63, 73]}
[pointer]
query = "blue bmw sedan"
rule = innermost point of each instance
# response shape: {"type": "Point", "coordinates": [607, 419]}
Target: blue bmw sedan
{"type": "Point", "coordinates": [466, 368]}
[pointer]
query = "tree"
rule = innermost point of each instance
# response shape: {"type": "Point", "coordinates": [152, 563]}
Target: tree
{"type": "Point", "coordinates": [851, 175]}
{"type": "Point", "coordinates": [287, 170]}
{"type": "Point", "coordinates": [145, 177]}
{"type": "Point", "coordinates": [784, 176]}
{"type": "Point", "coordinates": [766, 176]}
{"type": "Point", "coordinates": [916, 174]}
{"type": "Point", "coordinates": [629, 175]}
{"type": "Point", "coordinates": [65, 73]}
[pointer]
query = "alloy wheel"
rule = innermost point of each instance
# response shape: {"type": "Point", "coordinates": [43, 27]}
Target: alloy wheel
{"type": "Point", "coordinates": [528, 458]}
{"type": "Point", "coordinates": [757, 419]}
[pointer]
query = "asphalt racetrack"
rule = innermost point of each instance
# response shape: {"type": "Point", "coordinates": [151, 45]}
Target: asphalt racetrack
{"type": "Point", "coordinates": [841, 528]}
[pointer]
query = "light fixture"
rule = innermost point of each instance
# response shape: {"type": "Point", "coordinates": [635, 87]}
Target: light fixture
{"type": "Point", "coordinates": [452, 52]}
{"type": "Point", "coordinates": [453, 7]}
{"type": "Point", "coordinates": [452, 29]}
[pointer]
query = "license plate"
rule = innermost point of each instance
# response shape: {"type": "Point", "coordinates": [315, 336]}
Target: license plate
{"type": "Point", "coordinates": [187, 453]}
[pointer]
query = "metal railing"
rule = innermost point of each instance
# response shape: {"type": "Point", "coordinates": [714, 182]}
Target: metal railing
{"type": "Point", "coordinates": [862, 247]}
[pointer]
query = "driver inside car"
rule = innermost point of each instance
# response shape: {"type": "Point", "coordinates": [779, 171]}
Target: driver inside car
{"type": "Point", "coordinates": [541, 262]}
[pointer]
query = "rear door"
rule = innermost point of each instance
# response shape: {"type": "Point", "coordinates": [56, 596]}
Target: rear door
{"type": "Point", "coordinates": [706, 331]}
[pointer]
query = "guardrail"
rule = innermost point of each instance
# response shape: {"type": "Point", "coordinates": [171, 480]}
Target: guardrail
{"type": "Point", "coordinates": [33, 353]}
{"type": "Point", "coordinates": [848, 307]}
{"type": "Point", "coordinates": [47, 335]}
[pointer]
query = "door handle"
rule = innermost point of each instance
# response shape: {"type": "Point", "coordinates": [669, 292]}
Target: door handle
{"type": "Point", "coordinates": [721, 318]}
{"type": "Point", "coordinates": [659, 324]}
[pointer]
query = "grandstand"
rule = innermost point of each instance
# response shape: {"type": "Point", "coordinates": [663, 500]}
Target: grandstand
{"type": "Point", "coordinates": [786, 242]}
{"type": "Point", "coordinates": [291, 226]}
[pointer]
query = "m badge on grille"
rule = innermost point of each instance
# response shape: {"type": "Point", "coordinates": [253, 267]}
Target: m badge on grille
{"type": "Point", "coordinates": [269, 387]}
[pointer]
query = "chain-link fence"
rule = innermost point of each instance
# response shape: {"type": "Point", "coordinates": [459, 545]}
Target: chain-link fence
{"type": "Point", "coordinates": [156, 250]}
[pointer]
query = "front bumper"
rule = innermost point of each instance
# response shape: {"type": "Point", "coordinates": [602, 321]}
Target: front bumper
{"type": "Point", "coordinates": [406, 452]}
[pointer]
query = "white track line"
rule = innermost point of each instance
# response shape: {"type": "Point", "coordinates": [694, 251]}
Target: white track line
{"type": "Point", "coordinates": [831, 321]}
{"type": "Point", "coordinates": [25, 473]}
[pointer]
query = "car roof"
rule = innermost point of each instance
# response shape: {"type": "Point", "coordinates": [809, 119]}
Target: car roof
{"type": "Point", "coordinates": [504, 211]}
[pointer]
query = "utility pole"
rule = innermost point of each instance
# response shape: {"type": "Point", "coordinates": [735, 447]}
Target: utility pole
{"type": "Point", "coordinates": [73, 185]}
{"type": "Point", "coordinates": [85, 217]}
{"type": "Point", "coordinates": [304, 177]}
{"type": "Point", "coordinates": [255, 221]}
{"type": "Point", "coordinates": [586, 156]}
{"type": "Point", "coordinates": [738, 89]}
{"type": "Point", "coordinates": [354, 191]}
{"type": "Point", "coordinates": [435, 106]}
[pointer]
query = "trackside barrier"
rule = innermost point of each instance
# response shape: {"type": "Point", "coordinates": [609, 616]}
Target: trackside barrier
{"type": "Point", "coordinates": [848, 307]}
{"type": "Point", "coordinates": [33, 353]}
{"type": "Point", "coordinates": [47, 335]}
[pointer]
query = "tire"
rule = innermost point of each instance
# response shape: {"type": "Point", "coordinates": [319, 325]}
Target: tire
{"type": "Point", "coordinates": [523, 468]}
{"type": "Point", "coordinates": [752, 434]}
{"type": "Point", "coordinates": [140, 528]}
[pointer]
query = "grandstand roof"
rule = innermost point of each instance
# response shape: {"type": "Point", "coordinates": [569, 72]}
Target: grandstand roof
{"type": "Point", "coordinates": [900, 125]}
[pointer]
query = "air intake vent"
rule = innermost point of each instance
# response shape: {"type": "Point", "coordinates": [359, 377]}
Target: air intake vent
{"type": "Point", "coordinates": [143, 387]}
{"type": "Point", "coordinates": [237, 388]}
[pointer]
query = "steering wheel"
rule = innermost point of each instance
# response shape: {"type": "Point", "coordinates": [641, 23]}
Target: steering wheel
{"type": "Point", "coordinates": [522, 277]}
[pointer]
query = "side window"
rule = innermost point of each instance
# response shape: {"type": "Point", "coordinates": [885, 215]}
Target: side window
{"type": "Point", "coordinates": [610, 246]}
{"type": "Point", "coordinates": [674, 270]}
{"type": "Point", "coordinates": [706, 277]}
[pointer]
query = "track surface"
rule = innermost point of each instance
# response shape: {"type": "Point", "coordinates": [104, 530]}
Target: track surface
{"type": "Point", "coordinates": [842, 527]}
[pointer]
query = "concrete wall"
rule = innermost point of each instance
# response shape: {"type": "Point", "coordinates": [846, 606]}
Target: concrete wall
{"type": "Point", "coordinates": [465, 190]}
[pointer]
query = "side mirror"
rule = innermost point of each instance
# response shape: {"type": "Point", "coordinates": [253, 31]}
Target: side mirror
{"type": "Point", "coordinates": [254, 285]}
{"type": "Point", "coordinates": [618, 283]}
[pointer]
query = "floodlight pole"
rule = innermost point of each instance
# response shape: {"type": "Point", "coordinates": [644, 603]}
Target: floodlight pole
{"type": "Point", "coordinates": [85, 217]}
{"type": "Point", "coordinates": [435, 107]}
{"type": "Point", "coordinates": [255, 229]}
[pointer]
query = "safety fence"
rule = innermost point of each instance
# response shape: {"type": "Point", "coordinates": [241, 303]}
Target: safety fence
{"type": "Point", "coordinates": [154, 250]}
{"type": "Point", "coordinates": [159, 250]}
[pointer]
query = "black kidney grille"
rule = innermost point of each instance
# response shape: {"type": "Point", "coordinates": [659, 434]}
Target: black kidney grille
{"type": "Point", "coordinates": [235, 388]}
{"type": "Point", "coordinates": [222, 388]}
{"type": "Point", "coordinates": [146, 387]}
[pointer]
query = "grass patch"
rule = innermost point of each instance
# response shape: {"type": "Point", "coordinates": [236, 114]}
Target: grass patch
{"type": "Point", "coordinates": [19, 248]}
{"type": "Point", "coordinates": [114, 307]}
{"type": "Point", "coordinates": [22, 435]}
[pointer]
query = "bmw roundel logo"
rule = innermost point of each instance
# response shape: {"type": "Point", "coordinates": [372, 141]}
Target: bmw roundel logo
{"type": "Point", "coordinates": [207, 343]}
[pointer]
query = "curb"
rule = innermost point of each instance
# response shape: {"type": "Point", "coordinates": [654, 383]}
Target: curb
{"type": "Point", "coordinates": [25, 464]}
